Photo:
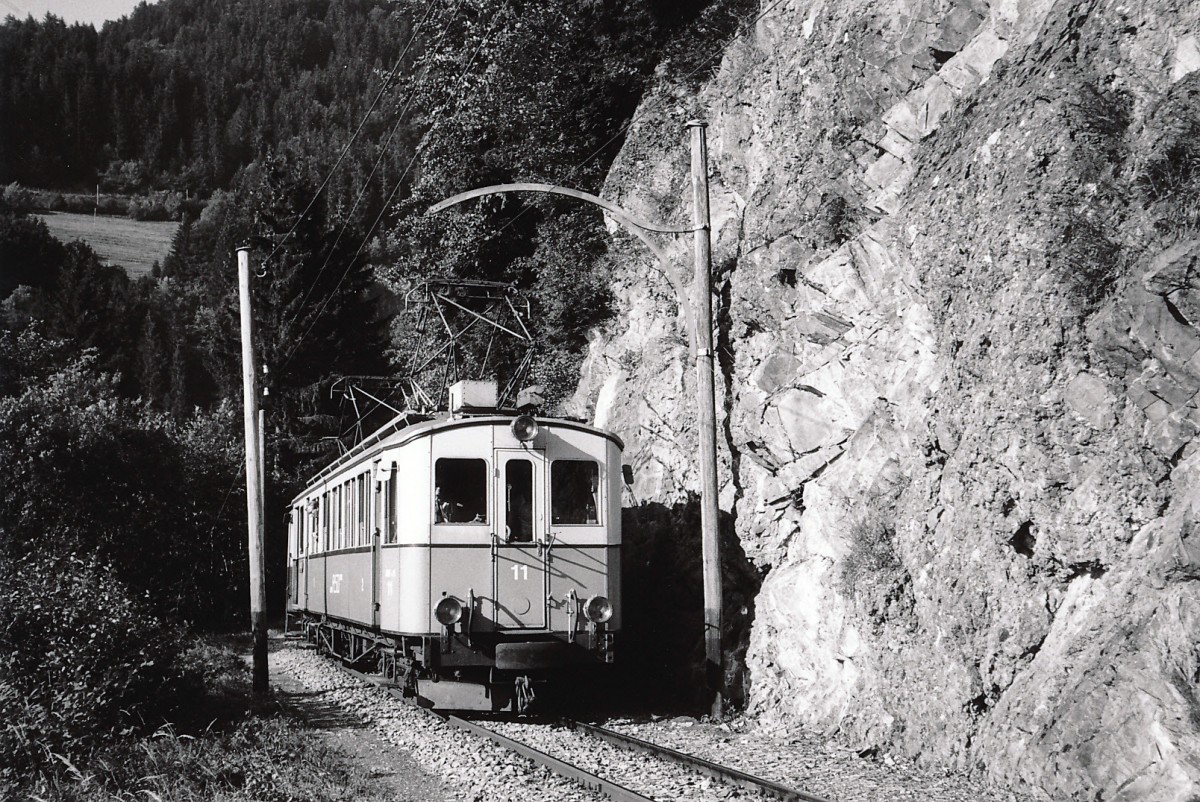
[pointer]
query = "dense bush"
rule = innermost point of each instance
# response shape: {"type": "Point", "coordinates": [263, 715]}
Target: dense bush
{"type": "Point", "coordinates": [88, 473]}
{"type": "Point", "coordinates": [157, 205]}
{"type": "Point", "coordinates": [81, 659]}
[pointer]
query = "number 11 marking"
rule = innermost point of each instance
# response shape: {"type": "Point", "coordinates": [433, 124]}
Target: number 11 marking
{"type": "Point", "coordinates": [520, 572]}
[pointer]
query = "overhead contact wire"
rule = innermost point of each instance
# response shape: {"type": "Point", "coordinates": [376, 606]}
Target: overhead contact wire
{"type": "Point", "coordinates": [367, 183]}
{"type": "Point", "coordinates": [383, 208]}
{"type": "Point", "coordinates": [387, 81]}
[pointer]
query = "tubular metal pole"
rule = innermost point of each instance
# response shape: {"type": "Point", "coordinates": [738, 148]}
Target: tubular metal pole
{"type": "Point", "coordinates": [254, 476]}
{"type": "Point", "coordinates": [706, 411]}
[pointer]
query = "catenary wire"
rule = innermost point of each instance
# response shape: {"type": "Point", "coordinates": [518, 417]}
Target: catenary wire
{"type": "Point", "coordinates": [704, 63]}
{"type": "Point", "coordinates": [367, 183]}
{"type": "Point", "coordinates": [399, 182]}
{"type": "Point", "coordinates": [387, 81]}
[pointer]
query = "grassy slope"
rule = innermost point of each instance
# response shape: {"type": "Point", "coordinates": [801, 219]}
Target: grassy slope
{"type": "Point", "coordinates": [132, 244]}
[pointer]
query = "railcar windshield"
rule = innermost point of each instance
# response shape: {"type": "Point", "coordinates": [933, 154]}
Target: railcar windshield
{"type": "Point", "coordinates": [460, 491]}
{"type": "Point", "coordinates": [574, 491]}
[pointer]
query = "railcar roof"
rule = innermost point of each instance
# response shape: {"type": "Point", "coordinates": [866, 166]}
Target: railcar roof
{"type": "Point", "coordinates": [410, 425]}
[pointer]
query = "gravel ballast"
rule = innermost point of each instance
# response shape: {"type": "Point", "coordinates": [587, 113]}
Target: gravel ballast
{"type": "Point", "coordinates": [474, 769]}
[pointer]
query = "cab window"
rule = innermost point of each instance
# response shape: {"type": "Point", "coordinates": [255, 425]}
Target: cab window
{"type": "Point", "coordinates": [518, 501]}
{"type": "Point", "coordinates": [460, 491]}
{"type": "Point", "coordinates": [574, 491]}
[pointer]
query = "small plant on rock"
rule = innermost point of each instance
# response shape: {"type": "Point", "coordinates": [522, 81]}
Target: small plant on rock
{"type": "Point", "coordinates": [872, 573]}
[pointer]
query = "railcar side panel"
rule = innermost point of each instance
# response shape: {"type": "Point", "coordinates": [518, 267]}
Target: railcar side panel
{"type": "Point", "coordinates": [584, 488]}
{"type": "Point", "coordinates": [412, 572]}
{"type": "Point", "coordinates": [408, 557]}
{"type": "Point", "coordinates": [458, 572]}
{"type": "Point", "coordinates": [461, 521]}
{"type": "Point", "coordinates": [583, 569]}
{"type": "Point", "coordinates": [413, 505]}
{"type": "Point", "coordinates": [389, 587]}
{"type": "Point", "coordinates": [315, 584]}
{"type": "Point", "coordinates": [349, 585]}
{"type": "Point", "coordinates": [296, 579]}
{"type": "Point", "coordinates": [520, 601]}
{"type": "Point", "coordinates": [616, 485]}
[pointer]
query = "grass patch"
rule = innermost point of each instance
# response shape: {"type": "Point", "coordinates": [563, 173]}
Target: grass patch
{"type": "Point", "coordinates": [227, 746]}
{"type": "Point", "coordinates": [261, 758]}
{"type": "Point", "coordinates": [133, 244]}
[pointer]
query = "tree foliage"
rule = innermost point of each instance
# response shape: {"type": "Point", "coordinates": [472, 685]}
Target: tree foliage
{"type": "Point", "coordinates": [183, 94]}
{"type": "Point", "coordinates": [94, 475]}
{"type": "Point", "coordinates": [525, 92]}
{"type": "Point", "coordinates": [200, 97]}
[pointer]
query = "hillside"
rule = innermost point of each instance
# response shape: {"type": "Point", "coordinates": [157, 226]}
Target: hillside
{"type": "Point", "coordinates": [956, 283]}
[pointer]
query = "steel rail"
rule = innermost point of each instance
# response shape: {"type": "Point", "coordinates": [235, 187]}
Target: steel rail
{"type": "Point", "coordinates": [570, 771]}
{"type": "Point", "coordinates": [725, 774]}
{"type": "Point", "coordinates": [585, 778]}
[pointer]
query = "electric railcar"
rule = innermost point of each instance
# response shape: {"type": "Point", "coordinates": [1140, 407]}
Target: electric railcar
{"type": "Point", "coordinates": [470, 555]}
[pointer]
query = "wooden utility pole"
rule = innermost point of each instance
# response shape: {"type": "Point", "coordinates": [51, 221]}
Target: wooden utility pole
{"type": "Point", "coordinates": [698, 311]}
{"type": "Point", "coordinates": [706, 403]}
{"type": "Point", "coordinates": [254, 479]}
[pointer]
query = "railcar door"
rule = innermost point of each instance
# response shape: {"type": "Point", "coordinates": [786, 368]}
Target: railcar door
{"type": "Point", "coordinates": [520, 552]}
{"type": "Point", "coordinates": [375, 526]}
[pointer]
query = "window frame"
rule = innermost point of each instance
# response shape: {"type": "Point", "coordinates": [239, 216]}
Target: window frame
{"type": "Point", "coordinates": [598, 497]}
{"type": "Point", "coordinates": [484, 503]}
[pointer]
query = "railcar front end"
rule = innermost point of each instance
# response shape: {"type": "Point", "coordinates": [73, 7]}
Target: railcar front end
{"type": "Point", "coordinates": [470, 557]}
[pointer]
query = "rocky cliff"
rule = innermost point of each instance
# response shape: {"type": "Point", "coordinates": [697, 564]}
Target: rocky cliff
{"type": "Point", "coordinates": [957, 291]}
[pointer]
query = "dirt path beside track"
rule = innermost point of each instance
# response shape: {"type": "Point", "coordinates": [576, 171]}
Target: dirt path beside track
{"type": "Point", "coordinates": [390, 765]}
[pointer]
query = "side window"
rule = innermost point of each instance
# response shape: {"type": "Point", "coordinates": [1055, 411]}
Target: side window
{"type": "Point", "coordinates": [460, 491]}
{"type": "Point", "coordinates": [574, 491]}
{"type": "Point", "coordinates": [338, 514]}
{"type": "Point", "coordinates": [298, 522]}
{"type": "Point", "coordinates": [363, 509]}
{"type": "Point", "coordinates": [314, 524]}
{"type": "Point", "coordinates": [389, 501]}
{"type": "Point", "coordinates": [347, 514]}
{"type": "Point", "coordinates": [325, 523]}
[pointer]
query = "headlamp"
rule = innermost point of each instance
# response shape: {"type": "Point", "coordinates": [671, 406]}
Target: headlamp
{"type": "Point", "coordinates": [598, 609]}
{"type": "Point", "coordinates": [448, 611]}
{"type": "Point", "coordinates": [524, 428]}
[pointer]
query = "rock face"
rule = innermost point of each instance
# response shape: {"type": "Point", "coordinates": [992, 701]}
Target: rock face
{"type": "Point", "coordinates": [956, 255]}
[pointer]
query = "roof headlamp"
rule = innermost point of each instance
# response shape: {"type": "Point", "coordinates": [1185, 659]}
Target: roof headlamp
{"type": "Point", "coordinates": [524, 428]}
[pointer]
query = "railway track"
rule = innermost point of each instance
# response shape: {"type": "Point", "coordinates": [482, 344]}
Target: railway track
{"type": "Point", "coordinates": [502, 733]}
{"type": "Point", "coordinates": [614, 790]}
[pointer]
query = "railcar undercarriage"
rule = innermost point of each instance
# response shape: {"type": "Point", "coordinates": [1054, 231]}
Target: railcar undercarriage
{"type": "Point", "coordinates": [459, 671]}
